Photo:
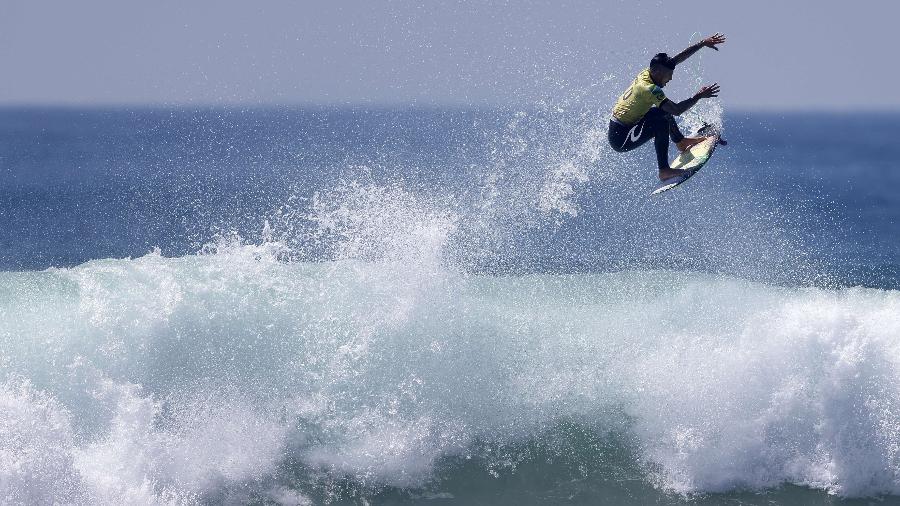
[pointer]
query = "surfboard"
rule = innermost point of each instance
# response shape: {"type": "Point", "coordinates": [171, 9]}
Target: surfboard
{"type": "Point", "coordinates": [691, 160]}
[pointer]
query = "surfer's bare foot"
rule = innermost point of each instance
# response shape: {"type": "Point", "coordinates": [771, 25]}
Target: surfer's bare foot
{"type": "Point", "coordinates": [687, 142]}
{"type": "Point", "coordinates": [670, 173]}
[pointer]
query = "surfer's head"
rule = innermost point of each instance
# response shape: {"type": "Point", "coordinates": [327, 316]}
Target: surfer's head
{"type": "Point", "coordinates": [661, 67]}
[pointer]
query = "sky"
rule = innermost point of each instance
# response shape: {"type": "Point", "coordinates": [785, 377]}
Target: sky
{"type": "Point", "coordinates": [781, 55]}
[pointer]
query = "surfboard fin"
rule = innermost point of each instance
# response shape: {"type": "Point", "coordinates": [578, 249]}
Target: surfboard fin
{"type": "Point", "coordinates": [707, 129]}
{"type": "Point", "coordinates": [704, 129]}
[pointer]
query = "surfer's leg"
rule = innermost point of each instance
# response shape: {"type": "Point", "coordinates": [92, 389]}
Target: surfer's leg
{"type": "Point", "coordinates": [674, 133]}
{"type": "Point", "coordinates": [663, 127]}
{"type": "Point", "coordinates": [624, 138]}
{"type": "Point", "coordinates": [659, 126]}
{"type": "Point", "coordinates": [653, 125]}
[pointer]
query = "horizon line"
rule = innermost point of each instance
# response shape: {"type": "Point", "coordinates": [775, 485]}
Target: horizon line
{"type": "Point", "coordinates": [849, 109]}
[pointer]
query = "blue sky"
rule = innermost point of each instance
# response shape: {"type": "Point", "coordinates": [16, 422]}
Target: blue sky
{"type": "Point", "coordinates": [789, 54]}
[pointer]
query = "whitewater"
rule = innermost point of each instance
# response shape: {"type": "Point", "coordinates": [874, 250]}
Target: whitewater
{"type": "Point", "coordinates": [236, 375]}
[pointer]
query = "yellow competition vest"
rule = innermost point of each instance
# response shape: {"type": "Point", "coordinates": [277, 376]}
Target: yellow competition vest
{"type": "Point", "coordinates": [638, 99]}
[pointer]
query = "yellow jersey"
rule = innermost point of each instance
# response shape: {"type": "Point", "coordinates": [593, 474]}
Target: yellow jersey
{"type": "Point", "coordinates": [638, 99]}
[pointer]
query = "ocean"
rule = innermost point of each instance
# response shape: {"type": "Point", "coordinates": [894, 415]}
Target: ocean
{"type": "Point", "coordinates": [427, 305]}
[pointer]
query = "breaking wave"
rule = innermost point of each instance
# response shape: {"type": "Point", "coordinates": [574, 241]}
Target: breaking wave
{"type": "Point", "coordinates": [237, 375]}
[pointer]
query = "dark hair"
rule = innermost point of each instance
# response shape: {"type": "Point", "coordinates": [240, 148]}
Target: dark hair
{"type": "Point", "coordinates": [662, 59]}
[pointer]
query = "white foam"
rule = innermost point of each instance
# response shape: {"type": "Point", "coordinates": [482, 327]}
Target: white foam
{"type": "Point", "coordinates": [36, 463]}
{"type": "Point", "coordinates": [374, 371]}
{"type": "Point", "coordinates": [806, 390]}
{"type": "Point", "coordinates": [135, 459]}
{"type": "Point", "coordinates": [205, 443]}
{"type": "Point", "coordinates": [376, 448]}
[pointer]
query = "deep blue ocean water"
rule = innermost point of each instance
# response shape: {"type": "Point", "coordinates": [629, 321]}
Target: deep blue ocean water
{"type": "Point", "coordinates": [444, 306]}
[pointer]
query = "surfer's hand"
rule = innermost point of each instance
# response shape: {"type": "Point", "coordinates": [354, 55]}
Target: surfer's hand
{"type": "Point", "coordinates": [708, 91]}
{"type": "Point", "coordinates": [714, 40]}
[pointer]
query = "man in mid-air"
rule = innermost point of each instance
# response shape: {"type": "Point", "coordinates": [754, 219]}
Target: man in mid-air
{"type": "Point", "coordinates": [643, 112]}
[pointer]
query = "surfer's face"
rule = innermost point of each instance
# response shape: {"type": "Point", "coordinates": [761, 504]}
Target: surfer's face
{"type": "Point", "coordinates": [661, 75]}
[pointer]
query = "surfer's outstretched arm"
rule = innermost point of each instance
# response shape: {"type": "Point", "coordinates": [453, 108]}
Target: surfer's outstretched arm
{"type": "Point", "coordinates": [675, 109]}
{"type": "Point", "coordinates": [711, 41]}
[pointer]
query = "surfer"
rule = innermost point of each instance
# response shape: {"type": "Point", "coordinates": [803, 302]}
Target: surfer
{"type": "Point", "coordinates": [643, 112]}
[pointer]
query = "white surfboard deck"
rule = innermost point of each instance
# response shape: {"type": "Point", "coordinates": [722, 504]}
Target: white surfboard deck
{"type": "Point", "coordinates": [691, 160]}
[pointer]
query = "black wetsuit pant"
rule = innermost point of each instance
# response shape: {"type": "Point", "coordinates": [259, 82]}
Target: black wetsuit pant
{"type": "Point", "coordinates": [656, 124]}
